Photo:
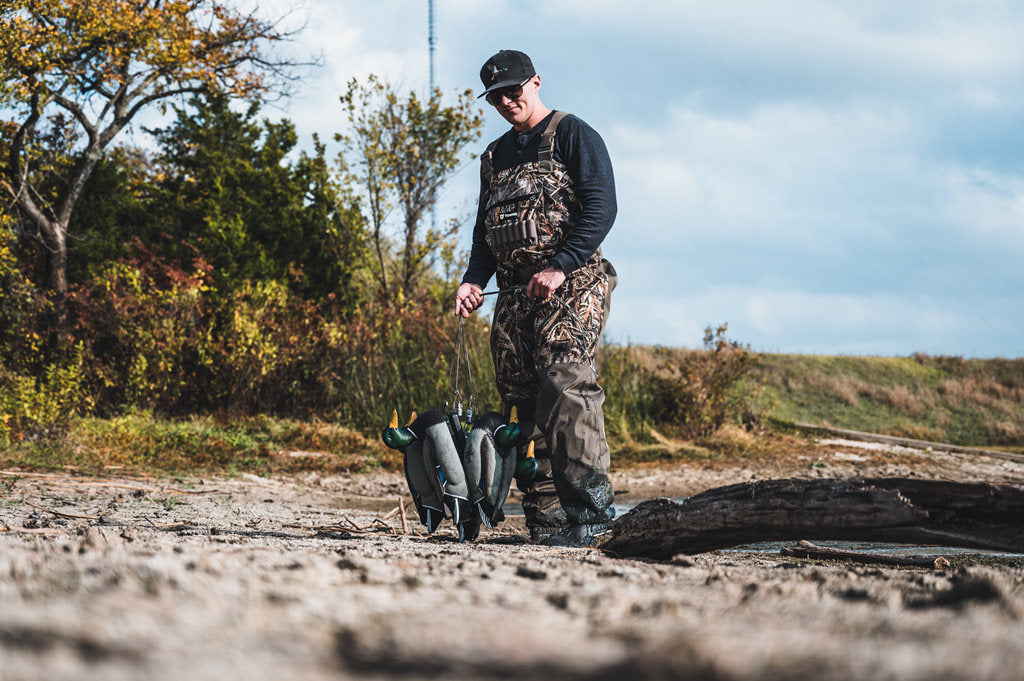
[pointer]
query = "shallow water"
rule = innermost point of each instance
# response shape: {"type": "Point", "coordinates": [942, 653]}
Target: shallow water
{"type": "Point", "coordinates": [515, 508]}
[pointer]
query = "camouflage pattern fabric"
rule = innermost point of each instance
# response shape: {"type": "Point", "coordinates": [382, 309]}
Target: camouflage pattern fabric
{"type": "Point", "coordinates": [529, 334]}
{"type": "Point", "coordinates": [540, 192]}
{"type": "Point", "coordinates": [544, 350]}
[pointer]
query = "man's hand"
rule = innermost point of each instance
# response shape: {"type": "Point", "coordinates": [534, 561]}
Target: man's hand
{"type": "Point", "coordinates": [468, 297]}
{"type": "Point", "coordinates": [544, 283]}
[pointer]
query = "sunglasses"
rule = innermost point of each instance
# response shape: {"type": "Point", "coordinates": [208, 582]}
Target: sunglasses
{"type": "Point", "coordinates": [511, 92]}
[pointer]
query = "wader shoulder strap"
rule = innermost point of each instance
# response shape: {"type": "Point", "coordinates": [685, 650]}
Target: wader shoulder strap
{"type": "Point", "coordinates": [487, 166]}
{"type": "Point", "coordinates": [487, 162]}
{"type": "Point", "coordinates": [546, 151]}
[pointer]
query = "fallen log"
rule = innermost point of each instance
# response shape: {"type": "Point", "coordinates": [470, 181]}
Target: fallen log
{"type": "Point", "coordinates": [898, 510]}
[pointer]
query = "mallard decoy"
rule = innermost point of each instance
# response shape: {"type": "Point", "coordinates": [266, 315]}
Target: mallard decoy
{"type": "Point", "coordinates": [395, 437]}
{"type": "Point", "coordinates": [433, 469]}
{"type": "Point", "coordinates": [489, 469]}
{"type": "Point", "coordinates": [450, 473]}
{"type": "Point", "coordinates": [510, 434]}
{"type": "Point", "coordinates": [526, 468]}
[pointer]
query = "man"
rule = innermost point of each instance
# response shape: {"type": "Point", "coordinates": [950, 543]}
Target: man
{"type": "Point", "coordinates": [547, 200]}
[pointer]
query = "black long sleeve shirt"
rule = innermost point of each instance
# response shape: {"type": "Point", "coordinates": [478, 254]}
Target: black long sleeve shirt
{"type": "Point", "coordinates": [582, 151]}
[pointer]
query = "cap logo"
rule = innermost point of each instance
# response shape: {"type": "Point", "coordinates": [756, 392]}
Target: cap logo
{"type": "Point", "coordinates": [495, 72]}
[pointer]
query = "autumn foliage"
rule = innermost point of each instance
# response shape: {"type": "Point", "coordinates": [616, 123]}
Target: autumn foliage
{"type": "Point", "coordinates": [77, 72]}
{"type": "Point", "coordinates": [224, 271]}
{"type": "Point", "coordinates": [216, 276]}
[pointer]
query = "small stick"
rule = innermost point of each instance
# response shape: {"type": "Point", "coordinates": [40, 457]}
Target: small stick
{"type": "Point", "coordinates": [805, 549]}
{"type": "Point", "coordinates": [101, 484]}
{"type": "Point", "coordinates": [401, 509]}
{"type": "Point", "coordinates": [63, 515]}
{"type": "Point", "coordinates": [348, 521]}
{"type": "Point", "coordinates": [191, 491]}
{"type": "Point", "coordinates": [20, 474]}
{"type": "Point", "coordinates": [393, 512]}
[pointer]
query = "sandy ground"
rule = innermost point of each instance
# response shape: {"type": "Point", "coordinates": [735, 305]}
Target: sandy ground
{"type": "Point", "coordinates": [311, 577]}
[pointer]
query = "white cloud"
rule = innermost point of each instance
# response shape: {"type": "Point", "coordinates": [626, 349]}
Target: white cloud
{"type": "Point", "coordinates": [774, 172]}
{"type": "Point", "coordinates": [921, 41]}
{"type": "Point", "coordinates": [987, 205]}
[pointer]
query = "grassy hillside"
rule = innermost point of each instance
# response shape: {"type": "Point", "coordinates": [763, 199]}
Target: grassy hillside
{"type": "Point", "coordinates": [977, 402]}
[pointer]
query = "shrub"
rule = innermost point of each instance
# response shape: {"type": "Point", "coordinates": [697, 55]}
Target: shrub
{"type": "Point", "coordinates": [160, 338]}
{"type": "Point", "coordinates": [22, 308]}
{"type": "Point", "coordinates": [144, 324]}
{"type": "Point", "coordinates": [402, 357]}
{"type": "Point", "coordinates": [692, 390]}
{"type": "Point", "coordinates": [627, 384]}
{"type": "Point", "coordinates": [33, 408]}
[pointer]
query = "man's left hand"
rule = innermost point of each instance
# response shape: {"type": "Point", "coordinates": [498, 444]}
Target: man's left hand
{"type": "Point", "coordinates": [544, 283]}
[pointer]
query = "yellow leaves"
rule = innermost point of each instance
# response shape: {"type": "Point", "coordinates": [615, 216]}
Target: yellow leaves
{"type": "Point", "coordinates": [101, 44]}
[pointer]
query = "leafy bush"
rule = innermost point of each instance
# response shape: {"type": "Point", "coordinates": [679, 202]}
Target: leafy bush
{"type": "Point", "coordinates": [33, 408]}
{"type": "Point", "coordinates": [144, 324]}
{"type": "Point", "coordinates": [627, 384]}
{"type": "Point", "coordinates": [22, 308]}
{"type": "Point", "coordinates": [401, 358]}
{"type": "Point", "coordinates": [160, 338]}
{"type": "Point", "coordinates": [692, 390]}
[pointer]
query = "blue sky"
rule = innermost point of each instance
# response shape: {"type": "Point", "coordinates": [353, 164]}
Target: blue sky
{"type": "Point", "coordinates": [825, 177]}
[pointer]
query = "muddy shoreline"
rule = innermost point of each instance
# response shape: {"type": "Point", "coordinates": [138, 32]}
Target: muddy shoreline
{"type": "Point", "coordinates": [311, 577]}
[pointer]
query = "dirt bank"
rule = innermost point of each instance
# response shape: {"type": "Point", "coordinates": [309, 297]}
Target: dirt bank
{"type": "Point", "coordinates": [310, 577]}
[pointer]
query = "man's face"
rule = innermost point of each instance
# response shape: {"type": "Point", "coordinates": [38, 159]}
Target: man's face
{"type": "Point", "coordinates": [517, 104]}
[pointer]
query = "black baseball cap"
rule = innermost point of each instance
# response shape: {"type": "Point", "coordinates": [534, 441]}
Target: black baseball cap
{"type": "Point", "coordinates": [506, 68]}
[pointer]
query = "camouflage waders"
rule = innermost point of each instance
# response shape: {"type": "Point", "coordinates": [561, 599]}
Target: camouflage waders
{"type": "Point", "coordinates": [544, 350]}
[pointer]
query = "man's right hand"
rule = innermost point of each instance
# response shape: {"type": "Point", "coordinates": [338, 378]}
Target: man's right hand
{"type": "Point", "coordinates": [468, 297]}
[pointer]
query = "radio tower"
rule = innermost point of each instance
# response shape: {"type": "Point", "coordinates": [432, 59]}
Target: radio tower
{"type": "Point", "coordinates": [431, 41]}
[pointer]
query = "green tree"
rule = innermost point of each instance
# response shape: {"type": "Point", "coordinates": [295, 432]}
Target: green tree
{"type": "Point", "coordinates": [20, 342]}
{"type": "Point", "coordinates": [223, 187]}
{"type": "Point", "coordinates": [114, 211]}
{"type": "Point", "coordinates": [76, 72]}
{"type": "Point", "coordinates": [399, 153]}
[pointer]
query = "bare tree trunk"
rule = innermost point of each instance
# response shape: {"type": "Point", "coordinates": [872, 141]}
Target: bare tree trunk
{"type": "Point", "coordinates": [901, 510]}
{"type": "Point", "coordinates": [56, 245]}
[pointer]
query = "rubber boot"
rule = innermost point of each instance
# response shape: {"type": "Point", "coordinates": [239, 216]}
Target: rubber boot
{"type": "Point", "coordinates": [569, 414]}
{"type": "Point", "coordinates": [541, 508]}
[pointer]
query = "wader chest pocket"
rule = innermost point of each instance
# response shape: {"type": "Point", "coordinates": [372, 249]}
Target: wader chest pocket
{"type": "Point", "coordinates": [509, 227]}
